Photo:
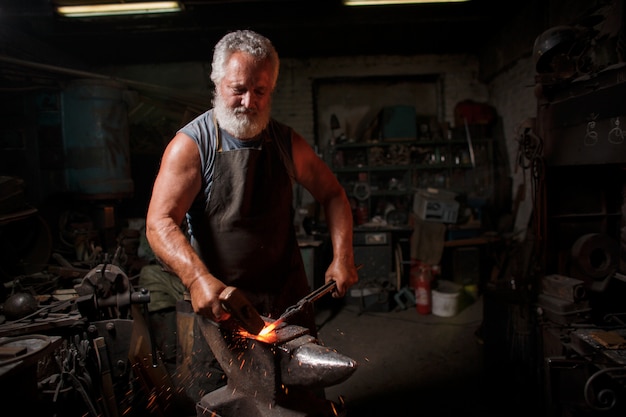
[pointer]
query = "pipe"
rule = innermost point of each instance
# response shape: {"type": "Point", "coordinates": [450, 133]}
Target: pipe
{"type": "Point", "coordinates": [198, 102]}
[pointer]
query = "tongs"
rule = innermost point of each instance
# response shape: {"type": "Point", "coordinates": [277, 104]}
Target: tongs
{"type": "Point", "coordinates": [308, 299]}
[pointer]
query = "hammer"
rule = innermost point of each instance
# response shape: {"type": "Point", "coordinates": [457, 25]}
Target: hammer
{"type": "Point", "coordinates": [238, 305]}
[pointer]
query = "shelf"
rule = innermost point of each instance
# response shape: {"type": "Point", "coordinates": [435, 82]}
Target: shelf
{"type": "Point", "coordinates": [392, 171]}
{"type": "Point", "coordinates": [391, 192]}
{"type": "Point", "coordinates": [584, 215]}
{"type": "Point", "coordinates": [418, 143]}
{"type": "Point", "coordinates": [373, 169]}
{"type": "Point", "coordinates": [402, 167]}
{"type": "Point", "coordinates": [474, 241]}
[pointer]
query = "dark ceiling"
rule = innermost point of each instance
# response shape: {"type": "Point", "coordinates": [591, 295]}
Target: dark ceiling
{"type": "Point", "coordinates": [29, 29]}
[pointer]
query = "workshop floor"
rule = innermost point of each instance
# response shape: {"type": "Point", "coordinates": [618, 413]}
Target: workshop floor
{"type": "Point", "coordinates": [411, 364]}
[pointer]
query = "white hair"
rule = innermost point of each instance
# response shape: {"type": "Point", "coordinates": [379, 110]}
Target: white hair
{"type": "Point", "coordinates": [246, 41]}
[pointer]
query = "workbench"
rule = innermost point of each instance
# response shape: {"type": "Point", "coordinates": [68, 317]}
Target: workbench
{"type": "Point", "coordinates": [19, 359]}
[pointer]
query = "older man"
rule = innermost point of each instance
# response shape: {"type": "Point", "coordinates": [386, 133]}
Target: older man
{"type": "Point", "coordinates": [227, 177]}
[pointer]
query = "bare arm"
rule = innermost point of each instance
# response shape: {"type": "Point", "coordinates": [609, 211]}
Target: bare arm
{"type": "Point", "coordinates": [319, 180]}
{"type": "Point", "coordinates": [175, 187]}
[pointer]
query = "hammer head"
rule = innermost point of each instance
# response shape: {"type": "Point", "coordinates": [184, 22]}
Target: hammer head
{"type": "Point", "coordinates": [236, 303]}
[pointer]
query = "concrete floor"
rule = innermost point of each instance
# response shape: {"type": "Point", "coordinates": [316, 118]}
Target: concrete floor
{"type": "Point", "coordinates": [411, 364]}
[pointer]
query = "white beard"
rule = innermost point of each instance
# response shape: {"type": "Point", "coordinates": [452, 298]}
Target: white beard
{"type": "Point", "coordinates": [240, 122]}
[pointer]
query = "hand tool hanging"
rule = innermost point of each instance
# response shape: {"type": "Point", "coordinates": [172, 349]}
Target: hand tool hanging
{"type": "Point", "coordinates": [469, 144]}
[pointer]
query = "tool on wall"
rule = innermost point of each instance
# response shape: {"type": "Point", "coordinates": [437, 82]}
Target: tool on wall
{"type": "Point", "coordinates": [469, 144]}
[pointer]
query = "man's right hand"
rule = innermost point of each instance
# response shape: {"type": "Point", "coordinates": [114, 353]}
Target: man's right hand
{"type": "Point", "coordinates": [205, 298]}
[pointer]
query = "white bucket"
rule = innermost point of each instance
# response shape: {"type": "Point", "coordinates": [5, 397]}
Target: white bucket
{"type": "Point", "coordinates": [446, 299]}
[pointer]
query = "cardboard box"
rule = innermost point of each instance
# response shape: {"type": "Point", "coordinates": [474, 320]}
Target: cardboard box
{"type": "Point", "coordinates": [436, 205]}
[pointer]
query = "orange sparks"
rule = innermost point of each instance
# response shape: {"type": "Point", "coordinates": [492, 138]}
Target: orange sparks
{"type": "Point", "coordinates": [266, 335]}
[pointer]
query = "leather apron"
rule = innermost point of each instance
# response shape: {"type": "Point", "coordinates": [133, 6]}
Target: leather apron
{"type": "Point", "coordinates": [247, 236]}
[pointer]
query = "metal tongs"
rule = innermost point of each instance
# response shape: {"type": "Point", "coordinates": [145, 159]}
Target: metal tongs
{"type": "Point", "coordinates": [308, 299]}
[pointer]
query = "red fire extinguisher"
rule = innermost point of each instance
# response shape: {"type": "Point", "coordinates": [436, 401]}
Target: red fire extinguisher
{"type": "Point", "coordinates": [422, 289]}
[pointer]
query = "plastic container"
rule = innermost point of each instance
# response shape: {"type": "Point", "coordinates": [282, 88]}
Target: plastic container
{"type": "Point", "coordinates": [445, 299]}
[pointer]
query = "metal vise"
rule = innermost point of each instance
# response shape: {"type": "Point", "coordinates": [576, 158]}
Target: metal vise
{"type": "Point", "coordinates": [106, 299]}
{"type": "Point", "coordinates": [106, 292]}
{"type": "Point", "coordinates": [283, 378]}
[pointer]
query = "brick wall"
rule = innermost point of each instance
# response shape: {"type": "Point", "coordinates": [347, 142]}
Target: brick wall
{"type": "Point", "coordinates": [510, 92]}
{"type": "Point", "coordinates": [293, 100]}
